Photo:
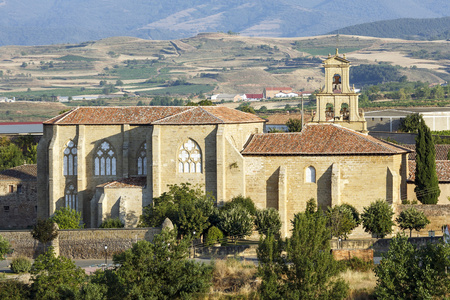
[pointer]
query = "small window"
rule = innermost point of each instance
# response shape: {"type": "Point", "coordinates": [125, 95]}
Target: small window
{"type": "Point", "coordinates": [19, 189]}
{"type": "Point", "coordinates": [310, 175]}
{"type": "Point", "coordinates": [6, 209]}
{"type": "Point", "coordinates": [381, 119]}
{"type": "Point", "coordinates": [11, 188]}
{"type": "Point", "coordinates": [35, 208]}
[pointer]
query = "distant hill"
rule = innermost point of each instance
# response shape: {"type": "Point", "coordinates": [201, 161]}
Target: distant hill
{"type": "Point", "coordinates": [422, 29]}
{"type": "Point", "coordinates": [44, 22]}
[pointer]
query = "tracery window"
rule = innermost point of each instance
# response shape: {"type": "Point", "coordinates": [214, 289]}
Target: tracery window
{"type": "Point", "coordinates": [105, 160]}
{"type": "Point", "coordinates": [70, 159]}
{"type": "Point", "coordinates": [190, 158]}
{"type": "Point", "coordinates": [142, 160]}
{"type": "Point", "coordinates": [71, 197]}
{"type": "Point", "coordinates": [310, 174]}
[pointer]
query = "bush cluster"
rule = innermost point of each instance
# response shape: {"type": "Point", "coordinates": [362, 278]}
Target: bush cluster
{"type": "Point", "coordinates": [21, 265]}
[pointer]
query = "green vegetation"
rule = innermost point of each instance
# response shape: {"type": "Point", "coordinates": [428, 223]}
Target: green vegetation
{"type": "Point", "coordinates": [410, 272]}
{"type": "Point", "coordinates": [67, 218]}
{"type": "Point", "coordinates": [411, 218]}
{"type": "Point", "coordinates": [341, 220]}
{"type": "Point", "coordinates": [5, 247]}
{"type": "Point", "coordinates": [374, 74]}
{"type": "Point", "coordinates": [20, 265]}
{"type": "Point", "coordinates": [268, 221]}
{"type": "Point", "coordinates": [213, 236]}
{"type": "Point", "coordinates": [426, 180]}
{"type": "Point", "coordinates": [75, 58]}
{"type": "Point", "coordinates": [112, 223]}
{"type": "Point", "coordinates": [44, 231]}
{"type": "Point", "coordinates": [411, 123]}
{"type": "Point", "coordinates": [307, 269]}
{"type": "Point", "coordinates": [294, 125]}
{"type": "Point", "coordinates": [14, 152]}
{"type": "Point", "coordinates": [377, 218]}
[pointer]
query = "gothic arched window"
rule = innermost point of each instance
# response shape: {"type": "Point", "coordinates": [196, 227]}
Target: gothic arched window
{"type": "Point", "coordinates": [71, 197]}
{"type": "Point", "coordinates": [105, 160]}
{"type": "Point", "coordinates": [310, 174]}
{"type": "Point", "coordinates": [70, 159]}
{"type": "Point", "coordinates": [190, 158]}
{"type": "Point", "coordinates": [142, 160]}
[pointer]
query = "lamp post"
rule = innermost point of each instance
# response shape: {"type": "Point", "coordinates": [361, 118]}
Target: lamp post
{"type": "Point", "coordinates": [106, 255]}
{"type": "Point", "coordinates": [193, 246]}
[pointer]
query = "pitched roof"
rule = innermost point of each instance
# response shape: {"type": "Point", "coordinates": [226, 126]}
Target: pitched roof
{"type": "Point", "coordinates": [23, 172]}
{"type": "Point", "coordinates": [442, 170]}
{"type": "Point", "coordinates": [441, 151]}
{"type": "Point", "coordinates": [320, 139]}
{"type": "Point", "coordinates": [133, 182]}
{"type": "Point", "coordinates": [147, 115]}
{"type": "Point", "coordinates": [254, 96]}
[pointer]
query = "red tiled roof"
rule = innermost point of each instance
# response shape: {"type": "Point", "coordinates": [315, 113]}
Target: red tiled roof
{"type": "Point", "coordinates": [278, 88]}
{"type": "Point", "coordinates": [134, 182]}
{"type": "Point", "coordinates": [153, 115]}
{"type": "Point", "coordinates": [320, 139]}
{"type": "Point", "coordinates": [441, 151]}
{"type": "Point", "coordinates": [254, 96]}
{"type": "Point", "coordinates": [23, 172]}
{"type": "Point", "coordinates": [442, 170]}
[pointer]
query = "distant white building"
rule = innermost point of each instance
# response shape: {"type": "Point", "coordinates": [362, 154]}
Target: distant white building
{"type": "Point", "coordinates": [286, 95]}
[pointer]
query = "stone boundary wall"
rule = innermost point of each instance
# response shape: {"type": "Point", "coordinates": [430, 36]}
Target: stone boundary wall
{"type": "Point", "coordinates": [80, 243]}
{"type": "Point", "coordinates": [381, 245]}
{"type": "Point", "coordinates": [345, 254]}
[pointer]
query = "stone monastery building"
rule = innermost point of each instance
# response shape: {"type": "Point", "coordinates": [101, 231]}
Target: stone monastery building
{"type": "Point", "coordinates": [111, 161]}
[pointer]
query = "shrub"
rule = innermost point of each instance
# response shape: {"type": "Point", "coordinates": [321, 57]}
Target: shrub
{"type": "Point", "coordinates": [268, 221]}
{"type": "Point", "coordinates": [14, 290]}
{"type": "Point", "coordinates": [213, 236]}
{"type": "Point", "coordinates": [67, 218]}
{"type": "Point", "coordinates": [241, 201]}
{"type": "Point", "coordinates": [21, 265]}
{"type": "Point", "coordinates": [112, 223]}
{"type": "Point", "coordinates": [357, 264]}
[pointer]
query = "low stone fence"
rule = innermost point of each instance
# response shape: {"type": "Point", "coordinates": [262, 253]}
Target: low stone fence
{"type": "Point", "coordinates": [344, 254]}
{"type": "Point", "coordinates": [80, 243]}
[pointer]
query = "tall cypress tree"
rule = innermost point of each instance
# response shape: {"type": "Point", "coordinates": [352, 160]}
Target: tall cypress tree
{"type": "Point", "coordinates": [427, 183]}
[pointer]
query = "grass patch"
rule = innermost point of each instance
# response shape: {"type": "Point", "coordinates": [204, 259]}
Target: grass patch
{"type": "Point", "coordinates": [138, 72]}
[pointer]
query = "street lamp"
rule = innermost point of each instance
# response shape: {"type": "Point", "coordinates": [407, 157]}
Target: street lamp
{"type": "Point", "coordinates": [106, 255]}
{"type": "Point", "coordinates": [193, 246]}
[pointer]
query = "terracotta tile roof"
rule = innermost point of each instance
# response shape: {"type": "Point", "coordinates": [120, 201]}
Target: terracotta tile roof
{"type": "Point", "coordinates": [133, 182]}
{"type": "Point", "coordinates": [170, 115]}
{"type": "Point", "coordinates": [23, 172]}
{"type": "Point", "coordinates": [441, 151]}
{"type": "Point", "coordinates": [281, 119]}
{"type": "Point", "coordinates": [442, 170]}
{"type": "Point", "coordinates": [320, 139]}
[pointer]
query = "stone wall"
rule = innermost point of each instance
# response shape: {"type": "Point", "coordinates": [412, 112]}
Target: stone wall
{"type": "Point", "coordinates": [82, 243]}
{"type": "Point", "coordinates": [345, 254]}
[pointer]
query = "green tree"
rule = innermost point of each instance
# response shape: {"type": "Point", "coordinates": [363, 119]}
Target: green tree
{"type": "Point", "coordinates": [308, 269]}
{"type": "Point", "coordinates": [411, 123]}
{"type": "Point", "coordinates": [411, 218]}
{"type": "Point", "coordinates": [244, 202]}
{"type": "Point", "coordinates": [112, 223]}
{"type": "Point", "coordinates": [268, 221]}
{"type": "Point", "coordinates": [158, 270]}
{"type": "Point", "coordinates": [67, 218]}
{"type": "Point", "coordinates": [55, 277]}
{"type": "Point", "coordinates": [408, 272]}
{"type": "Point", "coordinates": [44, 231]}
{"type": "Point", "coordinates": [188, 208]}
{"type": "Point", "coordinates": [236, 222]}
{"type": "Point", "coordinates": [340, 220]}
{"type": "Point", "coordinates": [426, 180]}
{"type": "Point", "coordinates": [294, 125]}
{"type": "Point", "coordinates": [377, 218]}
{"type": "Point", "coordinates": [5, 247]}
{"type": "Point", "coordinates": [10, 156]}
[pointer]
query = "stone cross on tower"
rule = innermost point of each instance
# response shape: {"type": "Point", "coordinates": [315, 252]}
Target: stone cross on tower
{"type": "Point", "coordinates": [337, 102]}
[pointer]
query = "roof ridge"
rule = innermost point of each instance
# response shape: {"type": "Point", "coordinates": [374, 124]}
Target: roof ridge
{"type": "Point", "coordinates": [213, 107]}
{"type": "Point", "coordinates": [65, 114]}
{"type": "Point", "coordinates": [173, 115]}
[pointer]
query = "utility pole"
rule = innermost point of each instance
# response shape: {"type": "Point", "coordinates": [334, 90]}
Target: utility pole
{"type": "Point", "coordinates": [302, 110]}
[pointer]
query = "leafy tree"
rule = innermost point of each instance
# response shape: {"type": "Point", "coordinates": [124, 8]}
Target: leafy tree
{"type": "Point", "coordinates": [411, 123]}
{"type": "Point", "coordinates": [213, 236]}
{"type": "Point", "coordinates": [308, 269]}
{"type": "Point", "coordinates": [236, 222]}
{"type": "Point", "coordinates": [5, 247]}
{"type": "Point", "coordinates": [268, 221]}
{"type": "Point", "coordinates": [244, 202]}
{"type": "Point", "coordinates": [55, 277]}
{"type": "Point", "coordinates": [377, 218]}
{"type": "Point", "coordinates": [408, 272]}
{"type": "Point", "coordinates": [14, 289]}
{"type": "Point", "coordinates": [67, 218]}
{"type": "Point", "coordinates": [263, 109]}
{"type": "Point", "coordinates": [411, 218]}
{"type": "Point", "coordinates": [10, 156]}
{"type": "Point", "coordinates": [294, 125]}
{"type": "Point", "coordinates": [427, 183]}
{"type": "Point", "coordinates": [340, 220]}
{"type": "Point", "coordinates": [158, 270]}
{"type": "Point", "coordinates": [112, 223]}
{"type": "Point", "coordinates": [44, 231]}
{"type": "Point", "coordinates": [188, 208]}
{"type": "Point", "coordinates": [245, 107]}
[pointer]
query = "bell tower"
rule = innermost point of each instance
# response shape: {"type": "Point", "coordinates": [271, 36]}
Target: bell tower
{"type": "Point", "coordinates": [337, 102]}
